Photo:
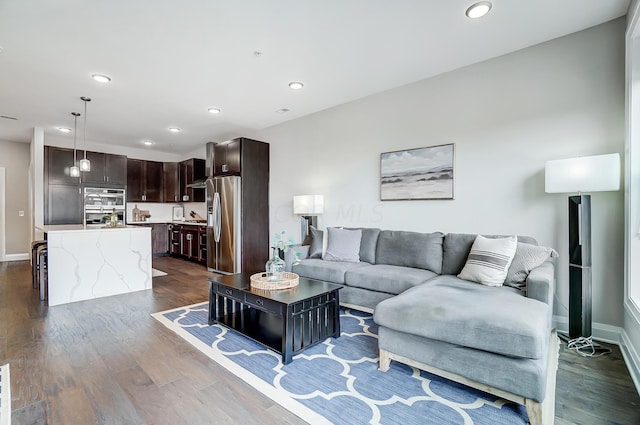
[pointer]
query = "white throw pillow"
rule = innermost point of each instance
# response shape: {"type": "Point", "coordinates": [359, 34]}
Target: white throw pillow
{"type": "Point", "coordinates": [489, 260]}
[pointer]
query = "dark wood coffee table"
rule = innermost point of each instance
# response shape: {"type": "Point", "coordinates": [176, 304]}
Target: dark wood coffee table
{"type": "Point", "coordinates": [286, 321]}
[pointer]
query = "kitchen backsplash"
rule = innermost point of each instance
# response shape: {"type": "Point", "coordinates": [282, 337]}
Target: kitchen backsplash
{"type": "Point", "coordinates": [164, 212]}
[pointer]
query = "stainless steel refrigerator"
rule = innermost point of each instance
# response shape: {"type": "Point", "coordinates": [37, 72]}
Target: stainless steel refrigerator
{"type": "Point", "coordinates": [224, 224]}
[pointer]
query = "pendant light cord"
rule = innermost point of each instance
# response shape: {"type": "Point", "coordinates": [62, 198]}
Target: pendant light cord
{"type": "Point", "coordinates": [84, 128]}
{"type": "Point", "coordinates": [75, 132]}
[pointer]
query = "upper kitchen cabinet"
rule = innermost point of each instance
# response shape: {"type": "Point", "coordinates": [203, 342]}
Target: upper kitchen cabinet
{"type": "Point", "coordinates": [227, 158]}
{"type": "Point", "coordinates": [191, 170]}
{"type": "Point", "coordinates": [171, 182]}
{"type": "Point", "coordinates": [58, 162]}
{"type": "Point", "coordinates": [144, 181]}
{"type": "Point", "coordinates": [62, 193]}
{"type": "Point", "coordinates": [106, 169]}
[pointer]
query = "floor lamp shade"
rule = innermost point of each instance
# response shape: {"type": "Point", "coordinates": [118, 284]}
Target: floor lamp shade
{"type": "Point", "coordinates": [308, 206]}
{"type": "Point", "coordinates": [586, 174]}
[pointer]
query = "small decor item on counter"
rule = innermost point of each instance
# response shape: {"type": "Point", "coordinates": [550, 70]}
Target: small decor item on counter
{"type": "Point", "coordinates": [178, 213]}
{"type": "Point", "coordinates": [263, 281]}
{"type": "Point", "coordinates": [144, 215]}
{"type": "Point", "coordinates": [275, 267]}
{"type": "Point", "coordinates": [136, 213]}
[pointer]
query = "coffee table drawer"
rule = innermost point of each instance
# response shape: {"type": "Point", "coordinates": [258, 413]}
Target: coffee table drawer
{"type": "Point", "coordinates": [225, 291]}
{"type": "Point", "coordinates": [264, 304]}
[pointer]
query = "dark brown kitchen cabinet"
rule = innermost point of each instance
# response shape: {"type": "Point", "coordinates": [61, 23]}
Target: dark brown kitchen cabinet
{"type": "Point", "coordinates": [175, 245]}
{"type": "Point", "coordinates": [62, 193]}
{"type": "Point", "coordinates": [188, 241]}
{"type": "Point", "coordinates": [64, 204]}
{"type": "Point", "coordinates": [202, 241]}
{"type": "Point", "coordinates": [106, 169]}
{"type": "Point", "coordinates": [58, 162]}
{"type": "Point", "coordinates": [227, 158]}
{"type": "Point", "coordinates": [144, 181]}
{"type": "Point", "coordinates": [191, 170]}
{"type": "Point", "coordinates": [170, 182]}
{"type": "Point", "coordinates": [159, 241]}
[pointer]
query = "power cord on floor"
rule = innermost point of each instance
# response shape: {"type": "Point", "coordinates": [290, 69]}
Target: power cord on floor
{"type": "Point", "coordinates": [586, 347]}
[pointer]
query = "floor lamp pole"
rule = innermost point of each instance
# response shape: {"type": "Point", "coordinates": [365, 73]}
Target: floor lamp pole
{"type": "Point", "coordinates": [579, 266]}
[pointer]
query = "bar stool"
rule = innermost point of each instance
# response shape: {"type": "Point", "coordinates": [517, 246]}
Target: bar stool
{"type": "Point", "coordinates": [42, 255]}
{"type": "Point", "coordinates": [35, 266]}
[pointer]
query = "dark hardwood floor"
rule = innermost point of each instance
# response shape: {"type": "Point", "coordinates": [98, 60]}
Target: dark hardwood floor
{"type": "Point", "coordinates": [108, 361]}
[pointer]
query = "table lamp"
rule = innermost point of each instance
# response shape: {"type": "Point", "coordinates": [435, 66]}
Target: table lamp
{"type": "Point", "coordinates": [308, 206]}
{"type": "Point", "coordinates": [585, 174]}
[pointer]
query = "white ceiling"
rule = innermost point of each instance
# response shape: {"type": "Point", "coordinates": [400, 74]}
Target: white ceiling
{"type": "Point", "coordinates": [171, 60]}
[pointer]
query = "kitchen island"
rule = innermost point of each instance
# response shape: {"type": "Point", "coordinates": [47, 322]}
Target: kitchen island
{"type": "Point", "coordinates": [94, 262]}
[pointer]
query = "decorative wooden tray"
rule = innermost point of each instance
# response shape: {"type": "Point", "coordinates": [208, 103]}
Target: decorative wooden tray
{"type": "Point", "coordinates": [265, 281]}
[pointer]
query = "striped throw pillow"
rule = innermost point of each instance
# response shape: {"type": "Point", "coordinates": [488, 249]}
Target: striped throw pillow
{"type": "Point", "coordinates": [489, 260]}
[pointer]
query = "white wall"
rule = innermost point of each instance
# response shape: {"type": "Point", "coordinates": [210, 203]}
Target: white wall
{"type": "Point", "coordinates": [631, 333]}
{"type": "Point", "coordinates": [506, 116]}
{"type": "Point", "coordinates": [14, 157]}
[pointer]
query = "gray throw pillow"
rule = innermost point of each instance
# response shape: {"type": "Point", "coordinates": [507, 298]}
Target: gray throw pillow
{"type": "Point", "coordinates": [315, 250]}
{"type": "Point", "coordinates": [527, 258]}
{"type": "Point", "coordinates": [343, 245]}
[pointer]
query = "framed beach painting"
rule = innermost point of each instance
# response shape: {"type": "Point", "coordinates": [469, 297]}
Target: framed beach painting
{"type": "Point", "coordinates": [423, 173]}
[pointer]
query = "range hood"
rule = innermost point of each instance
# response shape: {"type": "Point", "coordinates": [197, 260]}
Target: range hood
{"type": "Point", "coordinates": [202, 183]}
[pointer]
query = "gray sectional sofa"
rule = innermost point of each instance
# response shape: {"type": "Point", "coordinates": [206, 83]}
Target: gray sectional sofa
{"type": "Point", "coordinates": [497, 339]}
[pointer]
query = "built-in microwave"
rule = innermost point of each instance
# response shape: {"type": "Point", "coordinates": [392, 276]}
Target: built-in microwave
{"type": "Point", "coordinates": [100, 203]}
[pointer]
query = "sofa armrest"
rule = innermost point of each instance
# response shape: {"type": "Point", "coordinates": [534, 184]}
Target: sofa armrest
{"type": "Point", "coordinates": [541, 282]}
{"type": "Point", "coordinates": [294, 251]}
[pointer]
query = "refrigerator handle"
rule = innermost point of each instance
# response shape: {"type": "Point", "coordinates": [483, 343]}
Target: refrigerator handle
{"type": "Point", "coordinates": [217, 211]}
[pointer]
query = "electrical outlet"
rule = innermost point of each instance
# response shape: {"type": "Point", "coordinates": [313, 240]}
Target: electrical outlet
{"type": "Point", "coordinates": [20, 213]}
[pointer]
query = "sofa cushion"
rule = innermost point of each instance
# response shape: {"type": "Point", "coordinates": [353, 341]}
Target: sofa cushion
{"type": "Point", "coordinates": [327, 271]}
{"type": "Point", "coordinates": [489, 260]}
{"type": "Point", "coordinates": [527, 258]}
{"type": "Point", "coordinates": [343, 245]}
{"type": "Point", "coordinates": [410, 249]}
{"type": "Point", "coordinates": [456, 247]}
{"type": "Point", "coordinates": [499, 320]}
{"type": "Point", "coordinates": [368, 243]}
{"type": "Point", "coordinates": [387, 278]}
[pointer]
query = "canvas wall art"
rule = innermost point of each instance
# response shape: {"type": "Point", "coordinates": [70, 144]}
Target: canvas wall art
{"type": "Point", "coordinates": [423, 173]}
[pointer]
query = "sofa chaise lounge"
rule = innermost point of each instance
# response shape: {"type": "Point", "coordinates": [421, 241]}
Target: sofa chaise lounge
{"type": "Point", "coordinates": [498, 339]}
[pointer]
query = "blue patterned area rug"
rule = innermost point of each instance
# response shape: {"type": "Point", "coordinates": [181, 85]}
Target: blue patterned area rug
{"type": "Point", "coordinates": [338, 381]}
{"type": "Point", "coordinates": [5, 395]}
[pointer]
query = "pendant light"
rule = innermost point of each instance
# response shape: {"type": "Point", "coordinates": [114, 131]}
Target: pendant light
{"type": "Point", "coordinates": [74, 171]}
{"type": "Point", "coordinates": [85, 164]}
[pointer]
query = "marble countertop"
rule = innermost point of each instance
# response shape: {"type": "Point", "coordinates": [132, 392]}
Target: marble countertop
{"type": "Point", "coordinates": [80, 227]}
{"type": "Point", "coordinates": [166, 222]}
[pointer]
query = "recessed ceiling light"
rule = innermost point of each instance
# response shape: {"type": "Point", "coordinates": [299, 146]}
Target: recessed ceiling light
{"type": "Point", "coordinates": [101, 78]}
{"type": "Point", "coordinates": [64, 129]}
{"type": "Point", "coordinates": [214, 110]}
{"type": "Point", "coordinates": [174, 129]}
{"type": "Point", "coordinates": [282, 111]}
{"type": "Point", "coordinates": [147, 142]}
{"type": "Point", "coordinates": [478, 10]}
{"type": "Point", "coordinates": [296, 85]}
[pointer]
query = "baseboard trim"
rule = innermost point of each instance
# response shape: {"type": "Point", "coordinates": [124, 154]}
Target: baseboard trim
{"type": "Point", "coordinates": [601, 332]}
{"type": "Point", "coordinates": [16, 257]}
{"type": "Point", "coordinates": [631, 358]}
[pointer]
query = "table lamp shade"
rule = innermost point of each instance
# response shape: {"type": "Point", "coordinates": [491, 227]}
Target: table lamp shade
{"type": "Point", "coordinates": [586, 174]}
{"type": "Point", "coordinates": [308, 204]}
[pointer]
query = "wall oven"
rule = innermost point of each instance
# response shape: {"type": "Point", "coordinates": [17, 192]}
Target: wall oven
{"type": "Point", "coordinates": [99, 203]}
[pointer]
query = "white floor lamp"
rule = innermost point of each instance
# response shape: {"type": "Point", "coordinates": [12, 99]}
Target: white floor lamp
{"type": "Point", "coordinates": [586, 174]}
